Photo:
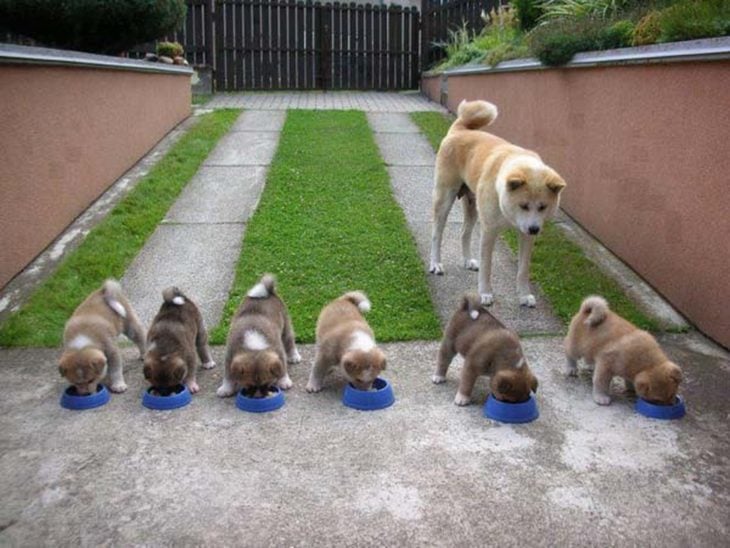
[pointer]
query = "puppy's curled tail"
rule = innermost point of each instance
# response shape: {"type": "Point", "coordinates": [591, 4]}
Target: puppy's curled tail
{"type": "Point", "coordinates": [172, 295]}
{"type": "Point", "coordinates": [113, 296]}
{"type": "Point", "coordinates": [359, 299]}
{"type": "Point", "coordinates": [474, 115]}
{"type": "Point", "coordinates": [266, 287]}
{"type": "Point", "coordinates": [594, 309]}
{"type": "Point", "coordinates": [471, 303]}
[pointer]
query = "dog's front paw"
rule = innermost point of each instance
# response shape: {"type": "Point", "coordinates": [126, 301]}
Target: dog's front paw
{"type": "Point", "coordinates": [285, 383]}
{"type": "Point", "coordinates": [209, 365]}
{"type": "Point", "coordinates": [193, 387]}
{"type": "Point", "coordinates": [438, 379]}
{"type": "Point", "coordinates": [528, 301]}
{"type": "Point", "coordinates": [487, 299]}
{"type": "Point", "coordinates": [295, 357]}
{"type": "Point", "coordinates": [118, 387]}
{"type": "Point", "coordinates": [436, 268]}
{"type": "Point", "coordinates": [225, 391]}
{"type": "Point", "coordinates": [571, 368]}
{"type": "Point", "coordinates": [313, 387]}
{"type": "Point", "coordinates": [601, 398]}
{"type": "Point", "coordinates": [462, 399]}
{"type": "Point", "coordinates": [471, 264]}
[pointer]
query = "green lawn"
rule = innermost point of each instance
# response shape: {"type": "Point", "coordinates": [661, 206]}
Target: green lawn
{"type": "Point", "coordinates": [112, 245]}
{"type": "Point", "coordinates": [561, 269]}
{"type": "Point", "coordinates": [327, 223]}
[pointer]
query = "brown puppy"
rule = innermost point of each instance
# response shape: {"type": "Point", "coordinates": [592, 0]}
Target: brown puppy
{"type": "Point", "coordinates": [344, 338]}
{"type": "Point", "coordinates": [616, 347]}
{"type": "Point", "coordinates": [90, 339]}
{"type": "Point", "coordinates": [177, 332]}
{"type": "Point", "coordinates": [488, 348]}
{"type": "Point", "coordinates": [503, 184]}
{"type": "Point", "coordinates": [260, 342]}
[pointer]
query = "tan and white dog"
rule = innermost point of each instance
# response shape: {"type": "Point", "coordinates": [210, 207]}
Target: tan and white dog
{"type": "Point", "coordinates": [501, 183]}
{"type": "Point", "coordinates": [488, 348]}
{"type": "Point", "coordinates": [260, 343]}
{"type": "Point", "coordinates": [617, 348]}
{"type": "Point", "coordinates": [90, 339]}
{"type": "Point", "coordinates": [345, 339]}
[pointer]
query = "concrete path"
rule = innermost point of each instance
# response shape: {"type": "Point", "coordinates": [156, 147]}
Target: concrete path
{"type": "Point", "coordinates": [198, 243]}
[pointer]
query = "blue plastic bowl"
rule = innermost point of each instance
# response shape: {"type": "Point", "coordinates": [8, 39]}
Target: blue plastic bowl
{"type": "Point", "coordinates": [515, 413]}
{"type": "Point", "coordinates": [71, 400]}
{"type": "Point", "coordinates": [180, 397]}
{"type": "Point", "coordinates": [260, 405]}
{"type": "Point", "coordinates": [369, 400]}
{"type": "Point", "coordinates": [664, 412]}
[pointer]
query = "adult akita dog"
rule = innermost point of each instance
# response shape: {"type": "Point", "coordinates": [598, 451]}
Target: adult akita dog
{"type": "Point", "coordinates": [504, 184]}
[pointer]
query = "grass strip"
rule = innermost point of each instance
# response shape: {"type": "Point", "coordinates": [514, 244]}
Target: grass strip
{"type": "Point", "coordinates": [561, 269]}
{"type": "Point", "coordinates": [327, 223]}
{"type": "Point", "coordinates": [112, 245]}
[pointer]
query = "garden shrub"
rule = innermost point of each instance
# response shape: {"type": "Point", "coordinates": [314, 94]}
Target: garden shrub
{"type": "Point", "coordinates": [557, 41]}
{"type": "Point", "coordinates": [170, 49]}
{"type": "Point", "coordinates": [528, 12]}
{"type": "Point", "coordinates": [98, 26]}
{"type": "Point", "coordinates": [617, 35]}
{"type": "Point", "coordinates": [691, 19]}
{"type": "Point", "coordinates": [647, 30]}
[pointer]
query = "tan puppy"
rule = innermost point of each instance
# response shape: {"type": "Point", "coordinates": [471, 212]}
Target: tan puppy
{"type": "Point", "coordinates": [90, 339]}
{"type": "Point", "coordinates": [618, 348]}
{"type": "Point", "coordinates": [505, 185]}
{"type": "Point", "coordinates": [176, 334]}
{"type": "Point", "coordinates": [260, 342]}
{"type": "Point", "coordinates": [488, 348]}
{"type": "Point", "coordinates": [344, 338]}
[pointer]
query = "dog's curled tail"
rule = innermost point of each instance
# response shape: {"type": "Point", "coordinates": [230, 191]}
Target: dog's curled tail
{"type": "Point", "coordinates": [594, 309]}
{"type": "Point", "coordinates": [172, 295]}
{"type": "Point", "coordinates": [114, 297]}
{"type": "Point", "coordinates": [359, 299]}
{"type": "Point", "coordinates": [266, 287]}
{"type": "Point", "coordinates": [472, 304]}
{"type": "Point", "coordinates": [474, 115]}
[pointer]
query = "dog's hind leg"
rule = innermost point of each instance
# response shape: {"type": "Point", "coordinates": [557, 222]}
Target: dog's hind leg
{"type": "Point", "coordinates": [201, 345]}
{"type": "Point", "coordinates": [469, 374]}
{"type": "Point", "coordinates": [443, 199]}
{"type": "Point", "coordinates": [287, 339]}
{"type": "Point", "coordinates": [134, 331]}
{"type": "Point", "coordinates": [469, 205]}
{"type": "Point", "coordinates": [523, 271]}
{"type": "Point", "coordinates": [601, 382]}
{"type": "Point", "coordinates": [316, 377]}
{"type": "Point", "coordinates": [446, 355]}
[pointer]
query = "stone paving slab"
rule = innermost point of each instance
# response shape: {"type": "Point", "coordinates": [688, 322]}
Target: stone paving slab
{"type": "Point", "coordinates": [219, 195]}
{"type": "Point", "coordinates": [243, 148]}
{"type": "Point", "coordinates": [399, 151]}
{"type": "Point", "coordinates": [385, 122]}
{"type": "Point", "coordinates": [198, 258]}
{"type": "Point", "coordinates": [260, 120]}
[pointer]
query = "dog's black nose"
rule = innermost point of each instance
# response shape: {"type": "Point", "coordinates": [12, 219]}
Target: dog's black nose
{"type": "Point", "coordinates": [534, 229]}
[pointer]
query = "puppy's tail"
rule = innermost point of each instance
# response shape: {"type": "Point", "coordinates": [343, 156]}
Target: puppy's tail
{"type": "Point", "coordinates": [266, 287]}
{"type": "Point", "coordinates": [474, 115]}
{"type": "Point", "coordinates": [359, 299]}
{"type": "Point", "coordinates": [594, 309]}
{"type": "Point", "coordinates": [114, 297]}
{"type": "Point", "coordinates": [172, 295]}
{"type": "Point", "coordinates": [472, 304]}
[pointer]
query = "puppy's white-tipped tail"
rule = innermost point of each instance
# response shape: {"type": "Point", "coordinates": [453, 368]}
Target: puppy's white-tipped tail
{"type": "Point", "coordinates": [265, 288]}
{"type": "Point", "coordinates": [359, 299]}
{"type": "Point", "coordinates": [476, 114]}
{"type": "Point", "coordinates": [594, 309]}
{"type": "Point", "coordinates": [472, 304]}
{"type": "Point", "coordinates": [173, 295]}
{"type": "Point", "coordinates": [113, 296]}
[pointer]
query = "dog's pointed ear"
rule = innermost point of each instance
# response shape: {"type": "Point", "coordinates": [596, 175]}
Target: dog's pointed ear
{"type": "Point", "coordinates": [99, 363]}
{"type": "Point", "coordinates": [276, 369]}
{"type": "Point", "coordinates": [504, 383]}
{"type": "Point", "coordinates": [349, 366]}
{"type": "Point", "coordinates": [514, 184]}
{"type": "Point", "coordinates": [674, 372]}
{"type": "Point", "coordinates": [556, 184]}
{"type": "Point", "coordinates": [642, 383]}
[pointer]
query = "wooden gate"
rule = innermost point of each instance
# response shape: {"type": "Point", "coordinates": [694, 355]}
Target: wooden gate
{"type": "Point", "coordinates": [284, 44]}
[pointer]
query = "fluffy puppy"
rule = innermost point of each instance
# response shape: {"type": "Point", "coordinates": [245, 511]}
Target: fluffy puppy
{"type": "Point", "coordinates": [488, 348]}
{"type": "Point", "coordinates": [90, 347]}
{"type": "Point", "coordinates": [616, 347]}
{"type": "Point", "coordinates": [344, 338]}
{"type": "Point", "coordinates": [260, 342]}
{"type": "Point", "coordinates": [500, 183]}
{"type": "Point", "coordinates": [176, 334]}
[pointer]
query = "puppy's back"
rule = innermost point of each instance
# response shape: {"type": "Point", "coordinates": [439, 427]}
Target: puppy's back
{"type": "Point", "coordinates": [345, 310]}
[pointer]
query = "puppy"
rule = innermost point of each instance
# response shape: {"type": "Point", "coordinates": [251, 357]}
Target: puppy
{"type": "Point", "coordinates": [616, 347]}
{"type": "Point", "coordinates": [176, 334]}
{"type": "Point", "coordinates": [503, 184]}
{"type": "Point", "coordinates": [90, 339]}
{"type": "Point", "coordinates": [488, 348]}
{"type": "Point", "coordinates": [260, 342]}
{"type": "Point", "coordinates": [344, 338]}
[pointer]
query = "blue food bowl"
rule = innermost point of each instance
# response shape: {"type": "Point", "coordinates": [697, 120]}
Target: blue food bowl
{"type": "Point", "coordinates": [380, 397]}
{"type": "Point", "coordinates": [665, 412]}
{"type": "Point", "coordinates": [162, 399]}
{"type": "Point", "coordinates": [70, 399]}
{"type": "Point", "coordinates": [260, 405]}
{"type": "Point", "coordinates": [515, 413]}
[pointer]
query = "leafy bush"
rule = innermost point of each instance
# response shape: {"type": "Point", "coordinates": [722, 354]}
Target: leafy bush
{"type": "Point", "coordinates": [691, 19]}
{"type": "Point", "coordinates": [555, 43]}
{"type": "Point", "coordinates": [170, 49]}
{"type": "Point", "coordinates": [617, 35]}
{"type": "Point", "coordinates": [553, 9]}
{"type": "Point", "coordinates": [647, 30]}
{"type": "Point", "coordinates": [528, 12]}
{"type": "Point", "coordinates": [99, 26]}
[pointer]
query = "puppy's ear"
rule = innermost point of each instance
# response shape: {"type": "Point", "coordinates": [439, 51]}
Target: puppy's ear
{"type": "Point", "coordinates": [61, 370]}
{"type": "Point", "coordinates": [504, 383]}
{"type": "Point", "coordinates": [514, 184]}
{"type": "Point", "coordinates": [533, 383]}
{"type": "Point", "coordinates": [556, 184]}
{"type": "Point", "coordinates": [642, 383]}
{"type": "Point", "coordinates": [674, 372]}
{"type": "Point", "coordinates": [98, 364]}
{"type": "Point", "coordinates": [276, 369]}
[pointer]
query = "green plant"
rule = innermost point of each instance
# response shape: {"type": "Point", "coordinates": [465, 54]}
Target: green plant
{"type": "Point", "coordinates": [647, 30]}
{"type": "Point", "coordinates": [553, 9]}
{"type": "Point", "coordinates": [691, 19]}
{"type": "Point", "coordinates": [99, 26]}
{"type": "Point", "coordinates": [616, 35]}
{"type": "Point", "coordinates": [529, 12]}
{"type": "Point", "coordinates": [557, 41]}
{"type": "Point", "coordinates": [170, 49]}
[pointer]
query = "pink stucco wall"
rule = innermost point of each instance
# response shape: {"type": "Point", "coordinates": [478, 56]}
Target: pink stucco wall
{"type": "Point", "coordinates": [644, 149]}
{"type": "Point", "coordinates": [68, 134]}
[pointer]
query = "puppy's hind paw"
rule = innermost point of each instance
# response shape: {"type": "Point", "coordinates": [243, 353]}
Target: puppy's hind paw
{"type": "Point", "coordinates": [528, 300]}
{"type": "Point", "coordinates": [224, 391]}
{"type": "Point", "coordinates": [461, 399]}
{"type": "Point", "coordinates": [118, 387]}
{"type": "Point", "coordinates": [209, 365]}
{"type": "Point", "coordinates": [193, 387]}
{"type": "Point", "coordinates": [487, 299]}
{"type": "Point", "coordinates": [285, 383]}
{"type": "Point", "coordinates": [601, 399]}
{"type": "Point", "coordinates": [313, 387]}
{"type": "Point", "coordinates": [294, 358]}
{"type": "Point", "coordinates": [438, 379]}
{"type": "Point", "coordinates": [436, 268]}
{"type": "Point", "coordinates": [471, 264]}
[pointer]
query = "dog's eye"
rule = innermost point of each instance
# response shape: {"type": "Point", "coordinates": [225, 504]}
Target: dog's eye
{"type": "Point", "coordinates": [541, 207]}
{"type": "Point", "coordinates": [525, 207]}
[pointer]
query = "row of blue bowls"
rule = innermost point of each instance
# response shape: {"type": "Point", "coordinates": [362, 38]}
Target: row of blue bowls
{"type": "Point", "coordinates": [379, 398]}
